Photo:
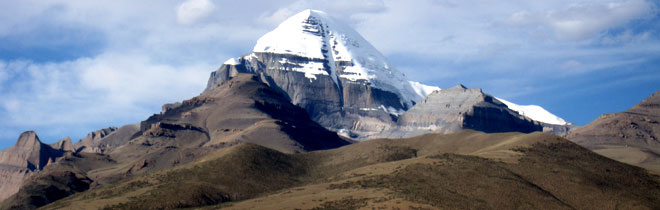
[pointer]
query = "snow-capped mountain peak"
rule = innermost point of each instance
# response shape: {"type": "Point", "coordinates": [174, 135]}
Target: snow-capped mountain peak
{"type": "Point", "coordinates": [316, 35]}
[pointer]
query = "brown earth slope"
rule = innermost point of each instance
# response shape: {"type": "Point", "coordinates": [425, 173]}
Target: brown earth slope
{"type": "Point", "coordinates": [238, 111]}
{"type": "Point", "coordinates": [467, 170]}
{"type": "Point", "coordinates": [631, 137]}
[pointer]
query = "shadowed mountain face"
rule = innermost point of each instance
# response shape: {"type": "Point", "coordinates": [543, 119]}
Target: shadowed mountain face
{"type": "Point", "coordinates": [20, 161]}
{"type": "Point", "coordinates": [632, 136]}
{"type": "Point", "coordinates": [466, 170]}
{"type": "Point", "coordinates": [243, 110]}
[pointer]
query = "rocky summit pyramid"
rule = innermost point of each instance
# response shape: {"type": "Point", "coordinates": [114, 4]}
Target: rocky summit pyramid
{"type": "Point", "coordinates": [17, 163]}
{"type": "Point", "coordinates": [327, 68]}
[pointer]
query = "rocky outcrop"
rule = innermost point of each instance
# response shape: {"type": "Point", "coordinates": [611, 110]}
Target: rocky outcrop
{"type": "Point", "coordinates": [63, 145]}
{"type": "Point", "coordinates": [118, 138]}
{"type": "Point", "coordinates": [457, 108]}
{"type": "Point", "coordinates": [92, 141]}
{"type": "Point", "coordinates": [632, 136]}
{"type": "Point", "coordinates": [28, 153]}
{"type": "Point", "coordinates": [21, 160]}
{"type": "Point", "coordinates": [105, 140]}
{"type": "Point", "coordinates": [559, 130]}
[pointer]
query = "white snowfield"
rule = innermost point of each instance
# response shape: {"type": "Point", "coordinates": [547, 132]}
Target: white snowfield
{"type": "Point", "coordinates": [422, 89]}
{"type": "Point", "coordinates": [535, 112]}
{"type": "Point", "coordinates": [315, 34]}
{"type": "Point", "coordinates": [232, 61]}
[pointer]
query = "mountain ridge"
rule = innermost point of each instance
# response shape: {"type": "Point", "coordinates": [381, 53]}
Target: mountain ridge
{"type": "Point", "coordinates": [265, 131]}
{"type": "Point", "coordinates": [537, 171]}
{"type": "Point", "coordinates": [331, 71]}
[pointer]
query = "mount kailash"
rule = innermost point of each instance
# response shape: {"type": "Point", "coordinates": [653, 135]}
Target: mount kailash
{"type": "Point", "coordinates": [348, 86]}
{"type": "Point", "coordinates": [311, 66]}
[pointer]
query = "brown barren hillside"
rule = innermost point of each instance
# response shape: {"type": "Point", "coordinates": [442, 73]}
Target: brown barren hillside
{"type": "Point", "coordinates": [631, 137]}
{"type": "Point", "coordinates": [467, 170]}
{"type": "Point", "coordinates": [243, 110]}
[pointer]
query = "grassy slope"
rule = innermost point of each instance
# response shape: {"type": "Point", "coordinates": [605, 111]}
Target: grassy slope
{"type": "Point", "coordinates": [464, 170]}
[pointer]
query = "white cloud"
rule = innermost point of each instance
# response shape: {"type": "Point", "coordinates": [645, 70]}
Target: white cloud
{"type": "Point", "coordinates": [192, 11]}
{"type": "Point", "coordinates": [583, 20]}
{"type": "Point", "coordinates": [111, 87]}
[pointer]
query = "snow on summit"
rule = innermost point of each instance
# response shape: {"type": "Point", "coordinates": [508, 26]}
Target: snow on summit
{"type": "Point", "coordinates": [315, 34]}
{"type": "Point", "coordinates": [321, 38]}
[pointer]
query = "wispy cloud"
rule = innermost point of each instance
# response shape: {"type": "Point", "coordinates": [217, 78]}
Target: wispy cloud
{"type": "Point", "coordinates": [192, 11]}
{"type": "Point", "coordinates": [582, 20]}
{"type": "Point", "coordinates": [88, 92]}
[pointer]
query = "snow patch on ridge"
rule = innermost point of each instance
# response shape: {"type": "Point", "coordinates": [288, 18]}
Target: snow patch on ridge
{"type": "Point", "coordinates": [232, 62]}
{"type": "Point", "coordinates": [535, 113]}
{"type": "Point", "coordinates": [423, 90]}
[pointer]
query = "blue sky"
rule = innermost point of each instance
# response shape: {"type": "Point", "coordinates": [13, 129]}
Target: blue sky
{"type": "Point", "coordinates": [68, 67]}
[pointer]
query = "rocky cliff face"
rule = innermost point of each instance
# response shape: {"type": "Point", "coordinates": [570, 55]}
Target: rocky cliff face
{"type": "Point", "coordinates": [457, 108]}
{"type": "Point", "coordinates": [18, 162]}
{"type": "Point", "coordinates": [337, 105]}
{"type": "Point", "coordinates": [632, 136]}
{"type": "Point", "coordinates": [329, 70]}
